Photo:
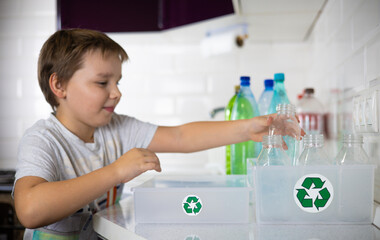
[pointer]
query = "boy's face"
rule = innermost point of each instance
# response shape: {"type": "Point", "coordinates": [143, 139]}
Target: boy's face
{"type": "Point", "coordinates": [92, 93]}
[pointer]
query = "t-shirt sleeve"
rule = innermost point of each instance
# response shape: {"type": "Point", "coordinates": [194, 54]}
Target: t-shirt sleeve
{"type": "Point", "coordinates": [35, 157]}
{"type": "Point", "coordinates": [134, 133]}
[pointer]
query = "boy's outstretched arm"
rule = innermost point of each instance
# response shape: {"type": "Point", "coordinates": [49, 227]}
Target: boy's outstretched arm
{"type": "Point", "coordinates": [39, 203]}
{"type": "Point", "coordinates": [197, 136]}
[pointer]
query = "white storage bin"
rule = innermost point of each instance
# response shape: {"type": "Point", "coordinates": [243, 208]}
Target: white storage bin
{"type": "Point", "coordinates": [192, 199]}
{"type": "Point", "coordinates": [314, 194]}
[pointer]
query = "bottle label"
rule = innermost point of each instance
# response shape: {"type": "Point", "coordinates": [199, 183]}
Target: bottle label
{"type": "Point", "coordinates": [311, 122]}
{"type": "Point", "coordinates": [313, 193]}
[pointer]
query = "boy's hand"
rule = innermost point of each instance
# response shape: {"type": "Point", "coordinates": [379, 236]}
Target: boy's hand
{"type": "Point", "coordinates": [135, 162]}
{"type": "Point", "coordinates": [259, 127]}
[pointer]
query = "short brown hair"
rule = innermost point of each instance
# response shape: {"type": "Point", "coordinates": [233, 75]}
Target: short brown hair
{"type": "Point", "coordinates": [63, 54]}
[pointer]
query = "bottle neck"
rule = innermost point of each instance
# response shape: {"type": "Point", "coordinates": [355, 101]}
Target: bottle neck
{"type": "Point", "coordinates": [272, 141]}
{"type": "Point", "coordinates": [286, 109]}
{"type": "Point", "coordinates": [246, 89]}
{"type": "Point", "coordinates": [352, 140]}
{"type": "Point", "coordinates": [313, 145]}
{"type": "Point", "coordinates": [353, 144]}
{"type": "Point", "coordinates": [308, 95]}
{"type": "Point", "coordinates": [279, 84]}
{"type": "Point", "coordinates": [313, 141]}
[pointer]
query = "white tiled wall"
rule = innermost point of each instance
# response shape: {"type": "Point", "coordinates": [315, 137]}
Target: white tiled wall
{"type": "Point", "coordinates": [168, 81]}
{"type": "Point", "coordinates": [346, 55]}
{"type": "Point", "coordinates": [24, 26]}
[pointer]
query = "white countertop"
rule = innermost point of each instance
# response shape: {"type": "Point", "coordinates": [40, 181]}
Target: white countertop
{"type": "Point", "coordinates": [117, 222]}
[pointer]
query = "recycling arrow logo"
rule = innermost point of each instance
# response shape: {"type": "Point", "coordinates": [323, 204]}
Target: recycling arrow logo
{"type": "Point", "coordinates": [192, 205]}
{"type": "Point", "coordinates": [313, 193]}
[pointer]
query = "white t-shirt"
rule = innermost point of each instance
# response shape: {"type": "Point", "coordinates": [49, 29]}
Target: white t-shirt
{"type": "Point", "coordinates": [50, 151]}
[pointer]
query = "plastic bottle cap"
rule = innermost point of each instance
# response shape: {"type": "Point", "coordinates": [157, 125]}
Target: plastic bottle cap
{"type": "Point", "coordinates": [309, 90]}
{"type": "Point", "coordinates": [268, 83]}
{"type": "Point", "coordinates": [237, 88]}
{"type": "Point", "coordinates": [279, 77]}
{"type": "Point", "coordinates": [244, 80]}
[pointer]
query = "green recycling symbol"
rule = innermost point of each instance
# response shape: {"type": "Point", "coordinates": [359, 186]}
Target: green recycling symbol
{"type": "Point", "coordinates": [313, 193]}
{"type": "Point", "coordinates": [192, 205]}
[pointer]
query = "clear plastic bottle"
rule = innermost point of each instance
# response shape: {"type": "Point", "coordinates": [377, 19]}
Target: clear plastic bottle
{"type": "Point", "coordinates": [310, 113]}
{"type": "Point", "coordinates": [279, 93]}
{"type": "Point", "coordinates": [313, 153]}
{"type": "Point", "coordinates": [227, 117]}
{"type": "Point", "coordinates": [286, 124]}
{"type": "Point", "coordinates": [266, 96]}
{"type": "Point", "coordinates": [272, 153]}
{"type": "Point", "coordinates": [352, 151]}
{"type": "Point", "coordinates": [245, 107]}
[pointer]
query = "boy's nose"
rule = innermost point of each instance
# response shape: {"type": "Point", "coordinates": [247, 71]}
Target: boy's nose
{"type": "Point", "coordinates": [115, 93]}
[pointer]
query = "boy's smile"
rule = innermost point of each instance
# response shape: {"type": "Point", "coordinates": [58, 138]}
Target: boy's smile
{"type": "Point", "coordinates": [109, 109]}
{"type": "Point", "coordinates": [91, 95]}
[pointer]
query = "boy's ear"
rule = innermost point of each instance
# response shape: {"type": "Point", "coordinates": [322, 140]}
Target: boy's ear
{"type": "Point", "coordinates": [56, 86]}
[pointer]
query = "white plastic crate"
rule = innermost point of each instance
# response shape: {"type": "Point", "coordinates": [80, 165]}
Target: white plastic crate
{"type": "Point", "coordinates": [192, 199]}
{"type": "Point", "coordinates": [314, 194]}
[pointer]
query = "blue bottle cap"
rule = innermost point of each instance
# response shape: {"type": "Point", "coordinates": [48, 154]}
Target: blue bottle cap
{"type": "Point", "coordinates": [279, 77]}
{"type": "Point", "coordinates": [268, 83]}
{"type": "Point", "coordinates": [244, 80]}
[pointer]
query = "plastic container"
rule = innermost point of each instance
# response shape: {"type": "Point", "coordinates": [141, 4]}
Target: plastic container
{"type": "Point", "coordinates": [313, 152]}
{"type": "Point", "coordinates": [331, 115]}
{"type": "Point", "coordinates": [279, 93]}
{"type": "Point", "coordinates": [266, 97]}
{"type": "Point", "coordinates": [227, 117]}
{"type": "Point", "coordinates": [272, 153]}
{"type": "Point", "coordinates": [310, 113]}
{"type": "Point", "coordinates": [314, 194]}
{"type": "Point", "coordinates": [245, 107]}
{"type": "Point", "coordinates": [193, 199]}
{"type": "Point", "coordinates": [352, 151]}
{"type": "Point", "coordinates": [286, 124]}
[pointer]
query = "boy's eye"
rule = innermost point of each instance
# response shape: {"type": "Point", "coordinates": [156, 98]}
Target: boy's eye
{"type": "Point", "coordinates": [102, 83]}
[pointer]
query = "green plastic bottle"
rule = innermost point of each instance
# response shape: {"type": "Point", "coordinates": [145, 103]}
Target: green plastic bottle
{"type": "Point", "coordinates": [245, 107]}
{"type": "Point", "coordinates": [279, 93]}
{"type": "Point", "coordinates": [227, 117]}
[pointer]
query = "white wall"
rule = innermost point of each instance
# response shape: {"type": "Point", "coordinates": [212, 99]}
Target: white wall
{"type": "Point", "coordinates": [346, 55]}
{"type": "Point", "coordinates": [167, 80]}
{"type": "Point", "coordinates": [24, 26]}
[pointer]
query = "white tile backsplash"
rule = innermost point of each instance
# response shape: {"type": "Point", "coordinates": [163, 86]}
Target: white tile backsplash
{"type": "Point", "coordinates": [354, 47]}
{"type": "Point", "coordinates": [373, 59]}
{"type": "Point", "coordinates": [168, 81]}
{"type": "Point", "coordinates": [365, 22]}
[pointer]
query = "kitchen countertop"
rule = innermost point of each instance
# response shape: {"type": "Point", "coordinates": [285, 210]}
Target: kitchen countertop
{"type": "Point", "coordinates": [117, 222]}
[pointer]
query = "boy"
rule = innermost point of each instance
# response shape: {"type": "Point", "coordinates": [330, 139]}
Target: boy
{"type": "Point", "coordinates": [75, 162]}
